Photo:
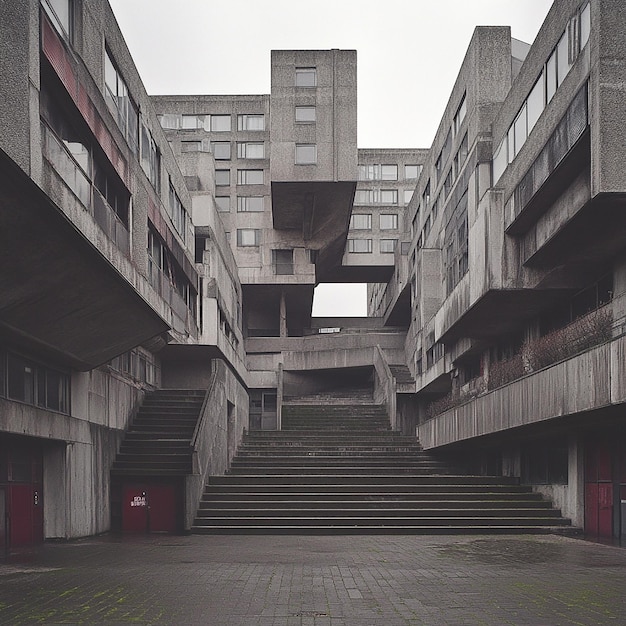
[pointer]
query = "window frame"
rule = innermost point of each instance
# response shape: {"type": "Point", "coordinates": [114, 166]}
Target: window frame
{"type": "Point", "coordinates": [301, 149]}
{"type": "Point", "coordinates": [301, 73]}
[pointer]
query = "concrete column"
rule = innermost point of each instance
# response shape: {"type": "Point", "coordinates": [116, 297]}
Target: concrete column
{"type": "Point", "coordinates": [283, 315]}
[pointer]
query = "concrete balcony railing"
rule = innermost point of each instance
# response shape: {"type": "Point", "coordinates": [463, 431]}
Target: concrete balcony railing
{"type": "Point", "coordinates": [600, 375]}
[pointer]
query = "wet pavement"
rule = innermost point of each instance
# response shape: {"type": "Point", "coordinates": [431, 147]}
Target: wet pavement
{"type": "Point", "coordinates": [317, 581]}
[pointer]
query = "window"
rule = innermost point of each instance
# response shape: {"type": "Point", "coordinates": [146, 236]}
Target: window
{"type": "Point", "coordinates": [520, 130]}
{"type": "Point", "coordinates": [176, 210]}
{"type": "Point", "coordinates": [535, 102]}
{"type": "Point", "coordinates": [223, 204]}
{"type": "Point", "coordinates": [248, 237]}
{"type": "Point", "coordinates": [562, 58]}
{"type": "Point", "coordinates": [120, 103]}
{"type": "Point", "coordinates": [249, 177]}
{"type": "Point", "coordinates": [500, 160]}
{"type": "Point", "coordinates": [192, 122]}
{"type": "Point", "coordinates": [282, 261]}
{"type": "Point", "coordinates": [220, 123]}
{"type": "Point", "coordinates": [362, 221]}
{"type": "Point", "coordinates": [60, 14]}
{"type": "Point", "coordinates": [306, 154]}
{"type": "Point", "coordinates": [460, 115]}
{"type": "Point", "coordinates": [221, 150]}
{"type": "Point", "coordinates": [305, 115]}
{"type": "Point", "coordinates": [426, 195]}
{"type": "Point", "coordinates": [551, 83]}
{"type": "Point", "coordinates": [388, 246]}
{"type": "Point", "coordinates": [389, 172]}
{"type": "Point", "coordinates": [250, 150]}
{"type": "Point", "coordinates": [585, 25]}
{"type": "Point", "coordinates": [389, 196]}
{"type": "Point", "coordinates": [389, 221]}
{"type": "Point", "coordinates": [408, 194]}
{"type": "Point", "coordinates": [306, 77]}
{"type": "Point", "coordinates": [250, 204]}
{"type": "Point", "coordinates": [364, 196]}
{"type": "Point", "coordinates": [360, 245]}
{"type": "Point", "coordinates": [251, 121]}
{"type": "Point", "coordinates": [150, 157]}
{"type": "Point", "coordinates": [412, 171]}
{"type": "Point", "coordinates": [170, 121]}
{"type": "Point", "coordinates": [33, 383]}
{"type": "Point", "coordinates": [222, 178]}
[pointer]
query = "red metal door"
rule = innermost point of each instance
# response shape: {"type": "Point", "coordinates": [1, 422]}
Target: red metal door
{"type": "Point", "coordinates": [598, 490]}
{"type": "Point", "coordinates": [21, 516]}
{"type": "Point", "coordinates": [149, 508]}
{"type": "Point", "coordinates": [162, 500]}
{"type": "Point", "coordinates": [134, 510]}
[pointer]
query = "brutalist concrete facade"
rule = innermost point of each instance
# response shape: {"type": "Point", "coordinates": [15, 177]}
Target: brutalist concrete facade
{"type": "Point", "coordinates": [175, 242]}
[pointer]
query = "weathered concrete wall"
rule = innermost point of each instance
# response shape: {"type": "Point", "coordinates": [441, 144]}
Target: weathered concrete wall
{"type": "Point", "coordinates": [225, 415]}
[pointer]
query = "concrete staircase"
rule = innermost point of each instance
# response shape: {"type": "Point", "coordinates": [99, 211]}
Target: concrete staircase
{"type": "Point", "coordinates": [340, 469]}
{"type": "Point", "coordinates": [159, 440]}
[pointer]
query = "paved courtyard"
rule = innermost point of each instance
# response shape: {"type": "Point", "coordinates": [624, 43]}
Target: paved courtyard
{"type": "Point", "coordinates": [317, 581]}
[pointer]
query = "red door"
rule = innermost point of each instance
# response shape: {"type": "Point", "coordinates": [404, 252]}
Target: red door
{"type": "Point", "coordinates": [162, 509]}
{"type": "Point", "coordinates": [134, 510]}
{"type": "Point", "coordinates": [599, 490]}
{"type": "Point", "coordinates": [149, 508]}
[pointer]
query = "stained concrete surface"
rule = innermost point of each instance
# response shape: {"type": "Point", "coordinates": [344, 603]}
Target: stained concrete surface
{"type": "Point", "coordinates": [317, 581]}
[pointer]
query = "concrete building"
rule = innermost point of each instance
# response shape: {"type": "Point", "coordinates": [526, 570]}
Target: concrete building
{"type": "Point", "coordinates": [174, 243]}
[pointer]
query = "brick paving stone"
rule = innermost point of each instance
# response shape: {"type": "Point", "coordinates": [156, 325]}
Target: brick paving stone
{"type": "Point", "coordinates": [317, 581]}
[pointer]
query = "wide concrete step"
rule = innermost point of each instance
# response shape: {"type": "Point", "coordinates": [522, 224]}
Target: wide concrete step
{"type": "Point", "coordinates": [368, 480]}
{"type": "Point", "coordinates": [206, 516]}
{"type": "Point", "coordinates": [383, 529]}
{"type": "Point", "coordinates": [248, 451]}
{"type": "Point", "coordinates": [430, 486]}
{"type": "Point", "coordinates": [323, 501]}
{"type": "Point", "coordinates": [466, 521]}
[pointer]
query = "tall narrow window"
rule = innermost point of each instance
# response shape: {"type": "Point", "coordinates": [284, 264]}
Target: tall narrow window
{"type": "Point", "coordinates": [306, 77]}
{"type": "Point", "coordinates": [120, 103]}
{"type": "Point", "coordinates": [60, 14]}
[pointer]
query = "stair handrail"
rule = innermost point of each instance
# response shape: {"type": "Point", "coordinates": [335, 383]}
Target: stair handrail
{"type": "Point", "coordinates": [203, 411]}
{"type": "Point", "coordinates": [388, 383]}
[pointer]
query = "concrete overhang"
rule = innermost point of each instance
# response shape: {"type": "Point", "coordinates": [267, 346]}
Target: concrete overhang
{"type": "Point", "coordinates": [591, 239]}
{"type": "Point", "coordinates": [500, 312]}
{"type": "Point", "coordinates": [361, 274]}
{"type": "Point", "coordinates": [59, 296]}
{"type": "Point", "coordinates": [320, 210]}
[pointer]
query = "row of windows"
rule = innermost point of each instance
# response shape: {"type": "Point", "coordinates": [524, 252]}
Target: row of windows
{"type": "Point", "coordinates": [553, 73]}
{"type": "Point", "coordinates": [27, 381]}
{"type": "Point", "coordinates": [245, 204]}
{"type": "Point", "coordinates": [387, 172]}
{"type": "Point", "coordinates": [212, 123]}
{"type": "Point", "coordinates": [363, 221]}
{"type": "Point", "coordinates": [375, 196]}
{"type": "Point", "coordinates": [366, 246]}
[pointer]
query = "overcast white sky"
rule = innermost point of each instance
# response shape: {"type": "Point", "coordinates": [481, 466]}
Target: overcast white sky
{"type": "Point", "coordinates": [408, 51]}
